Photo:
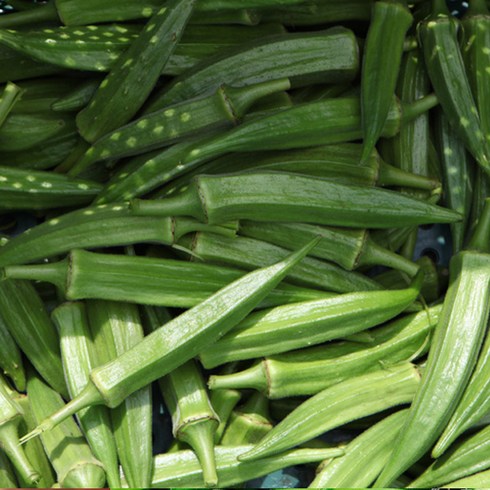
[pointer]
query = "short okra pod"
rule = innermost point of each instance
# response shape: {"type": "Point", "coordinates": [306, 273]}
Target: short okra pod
{"type": "Point", "coordinates": [65, 445]}
{"type": "Point", "coordinates": [308, 371]}
{"type": "Point", "coordinates": [10, 94]}
{"type": "Point", "coordinates": [145, 280]}
{"type": "Point", "coordinates": [182, 469]}
{"type": "Point", "coordinates": [115, 328]}
{"type": "Point", "coordinates": [364, 456]}
{"type": "Point", "coordinates": [127, 87]}
{"type": "Point", "coordinates": [333, 407]}
{"type": "Point", "coordinates": [77, 353]}
{"type": "Point", "coordinates": [390, 22]}
{"type": "Point", "coordinates": [181, 339]}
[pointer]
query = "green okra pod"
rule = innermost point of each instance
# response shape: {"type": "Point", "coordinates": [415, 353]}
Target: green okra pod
{"type": "Point", "coordinates": [10, 357]}
{"type": "Point", "coordinates": [390, 22]}
{"type": "Point", "coordinates": [77, 350]}
{"type": "Point", "coordinates": [466, 457]}
{"type": "Point", "coordinates": [337, 405]}
{"type": "Point", "coordinates": [308, 371]}
{"type": "Point", "coordinates": [477, 480]}
{"type": "Point", "coordinates": [116, 328]}
{"type": "Point", "coordinates": [67, 450]}
{"type": "Point", "coordinates": [7, 475]}
{"type": "Point", "coordinates": [10, 416]}
{"type": "Point", "coordinates": [135, 73]}
{"type": "Point", "coordinates": [182, 469]}
{"type": "Point", "coordinates": [364, 456]}
{"type": "Point", "coordinates": [78, 97]}
{"type": "Point", "coordinates": [28, 322]}
{"type": "Point", "coordinates": [181, 339]}
{"type": "Point", "coordinates": [10, 95]}
{"type": "Point", "coordinates": [145, 280]}
{"type": "Point", "coordinates": [445, 66]}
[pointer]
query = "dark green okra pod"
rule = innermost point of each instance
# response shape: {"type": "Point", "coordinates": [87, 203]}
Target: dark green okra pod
{"type": "Point", "coordinates": [10, 357]}
{"type": "Point", "coordinates": [10, 95]}
{"type": "Point", "coordinates": [308, 371]}
{"type": "Point", "coordinates": [181, 339]}
{"type": "Point", "coordinates": [390, 22]}
{"type": "Point", "coordinates": [135, 73]}
{"type": "Point", "coordinates": [337, 405]}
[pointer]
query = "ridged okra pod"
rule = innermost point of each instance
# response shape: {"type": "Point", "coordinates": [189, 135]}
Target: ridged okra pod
{"type": "Point", "coordinates": [181, 339]}
{"type": "Point", "coordinates": [25, 315]}
{"type": "Point", "coordinates": [116, 328]}
{"type": "Point", "coordinates": [10, 357]}
{"type": "Point", "coordinates": [65, 445]}
{"type": "Point", "coordinates": [390, 22]}
{"type": "Point", "coordinates": [135, 73]}
{"type": "Point", "coordinates": [145, 280]}
{"type": "Point", "coordinates": [182, 469]}
{"type": "Point", "coordinates": [453, 352]}
{"type": "Point", "coordinates": [466, 457]}
{"type": "Point", "coordinates": [350, 400]}
{"type": "Point", "coordinates": [10, 416]}
{"type": "Point", "coordinates": [224, 108]}
{"type": "Point", "coordinates": [77, 350]}
{"type": "Point", "coordinates": [445, 66]}
{"type": "Point", "coordinates": [477, 480]}
{"type": "Point", "coordinates": [269, 196]}
{"type": "Point", "coordinates": [364, 456]}
{"type": "Point", "coordinates": [309, 371]}
{"type": "Point", "coordinates": [194, 420]}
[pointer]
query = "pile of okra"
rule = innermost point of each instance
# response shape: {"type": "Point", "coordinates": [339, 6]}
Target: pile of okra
{"type": "Point", "coordinates": [224, 199]}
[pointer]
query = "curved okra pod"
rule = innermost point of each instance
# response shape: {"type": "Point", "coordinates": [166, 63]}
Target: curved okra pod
{"type": "Point", "coordinates": [36, 189]}
{"type": "Point", "coordinates": [10, 357]}
{"type": "Point", "coordinates": [182, 468]}
{"type": "Point", "coordinates": [225, 107]}
{"type": "Point", "coordinates": [350, 400]}
{"type": "Point", "coordinates": [183, 338]}
{"type": "Point", "coordinates": [116, 328]}
{"type": "Point", "coordinates": [25, 316]}
{"type": "Point", "coordinates": [309, 371]}
{"type": "Point", "coordinates": [444, 63]}
{"type": "Point", "coordinates": [77, 353]}
{"type": "Point", "coordinates": [10, 416]}
{"type": "Point", "coordinates": [194, 420]}
{"type": "Point", "coordinates": [145, 280]}
{"type": "Point", "coordinates": [67, 450]}
{"type": "Point", "coordinates": [10, 95]}
{"type": "Point", "coordinates": [463, 459]}
{"type": "Point", "coordinates": [112, 104]}
{"type": "Point", "coordinates": [308, 323]}
{"type": "Point", "coordinates": [277, 196]}
{"type": "Point", "coordinates": [364, 456]}
{"type": "Point", "coordinates": [390, 22]}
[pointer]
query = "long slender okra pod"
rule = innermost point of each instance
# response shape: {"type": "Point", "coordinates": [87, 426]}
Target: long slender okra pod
{"type": "Point", "coordinates": [146, 280]}
{"type": "Point", "coordinates": [364, 456]}
{"type": "Point", "coordinates": [182, 469]}
{"type": "Point", "coordinates": [10, 416]}
{"type": "Point", "coordinates": [135, 71]}
{"type": "Point", "coordinates": [293, 198]}
{"type": "Point", "coordinates": [464, 458]}
{"type": "Point", "coordinates": [116, 328]}
{"type": "Point", "coordinates": [444, 63]}
{"type": "Point", "coordinates": [181, 339]}
{"type": "Point", "coordinates": [10, 357]}
{"type": "Point", "coordinates": [10, 95]}
{"type": "Point", "coordinates": [29, 324]}
{"type": "Point", "coordinates": [308, 371]}
{"type": "Point", "coordinates": [337, 405]}
{"type": "Point", "coordinates": [390, 22]}
{"type": "Point", "coordinates": [67, 450]}
{"type": "Point", "coordinates": [454, 349]}
{"type": "Point", "coordinates": [78, 351]}
{"type": "Point", "coordinates": [194, 420]}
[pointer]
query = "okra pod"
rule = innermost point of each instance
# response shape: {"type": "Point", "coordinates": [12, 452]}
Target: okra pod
{"type": "Point", "coordinates": [10, 95]}
{"type": "Point", "coordinates": [116, 328]}
{"type": "Point", "coordinates": [133, 76]}
{"type": "Point", "coordinates": [181, 339]}
{"type": "Point", "coordinates": [309, 371]}
{"type": "Point", "coordinates": [478, 480]}
{"type": "Point", "coordinates": [67, 450]}
{"type": "Point", "coordinates": [364, 456]}
{"type": "Point", "coordinates": [77, 353]}
{"type": "Point", "coordinates": [7, 475]}
{"type": "Point", "coordinates": [390, 22]}
{"type": "Point", "coordinates": [337, 405]}
{"type": "Point", "coordinates": [182, 469]}
{"type": "Point", "coordinates": [10, 357]}
{"type": "Point", "coordinates": [145, 280]}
